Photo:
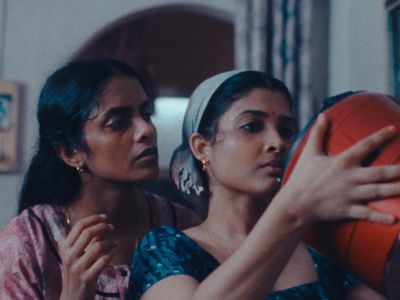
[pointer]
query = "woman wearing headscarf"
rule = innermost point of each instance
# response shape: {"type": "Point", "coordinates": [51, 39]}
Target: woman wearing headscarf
{"type": "Point", "coordinates": [237, 132]}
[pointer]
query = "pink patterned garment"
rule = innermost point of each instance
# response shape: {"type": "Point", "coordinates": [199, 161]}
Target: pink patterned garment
{"type": "Point", "coordinates": [30, 264]}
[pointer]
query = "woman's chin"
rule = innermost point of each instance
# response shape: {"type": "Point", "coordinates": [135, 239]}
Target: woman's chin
{"type": "Point", "coordinates": [153, 173]}
{"type": "Point", "coordinates": [274, 186]}
{"type": "Point", "coordinates": [268, 189]}
{"type": "Point", "coordinates": [146, 174]}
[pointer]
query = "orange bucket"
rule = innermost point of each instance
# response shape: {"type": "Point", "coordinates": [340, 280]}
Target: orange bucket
{"type": "Point", "coordinates": [369, 250]}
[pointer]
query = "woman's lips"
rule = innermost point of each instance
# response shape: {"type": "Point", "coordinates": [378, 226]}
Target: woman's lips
{"type": "Point", "coordinates": [273, 167]}
{"type": "Point", "coordinates": [147, 154]}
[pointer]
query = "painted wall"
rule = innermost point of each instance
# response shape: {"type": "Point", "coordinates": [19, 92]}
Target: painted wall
{"type": "Point", "coordinates": [36, 37]}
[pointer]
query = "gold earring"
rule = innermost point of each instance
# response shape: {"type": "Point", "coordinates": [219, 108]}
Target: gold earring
{"type": "Point", "coordinates": [79, 169]}
{"type": "Point", "coordinates": [204, 165]}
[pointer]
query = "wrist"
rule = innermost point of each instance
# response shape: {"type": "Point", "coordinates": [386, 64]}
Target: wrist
{"type": "Point", "coordinates": [293, 207]}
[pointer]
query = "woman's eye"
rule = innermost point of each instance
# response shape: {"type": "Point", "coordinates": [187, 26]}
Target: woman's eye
{"type": "Point", "coordinates": [146, 115]}
{"type": "Point", "coordinates": [147, 110]}
{"type": "Point", "coordinates": [287, 133]}
{"type": "Point", "coordinates": [252, 127]}
{"type": "Point", "coordinates": [118, 124]}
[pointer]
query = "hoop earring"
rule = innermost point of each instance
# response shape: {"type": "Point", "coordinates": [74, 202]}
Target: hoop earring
{"type": "Point", "coordinates": [204, 165]}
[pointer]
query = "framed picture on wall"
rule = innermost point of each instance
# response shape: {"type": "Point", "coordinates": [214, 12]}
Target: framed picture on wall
{"type": "Point", "coordinates": [9, 107]}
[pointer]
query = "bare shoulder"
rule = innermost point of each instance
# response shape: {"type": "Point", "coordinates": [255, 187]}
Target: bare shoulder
{"type": "Point", "coordinates": [363, 292]}
{"type": "Point", "coordinates": [176, 287]}
{"type": "Point", "coordinates": [194, 232]}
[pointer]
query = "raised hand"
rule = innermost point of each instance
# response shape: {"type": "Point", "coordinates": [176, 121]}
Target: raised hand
{"type": "Point", "coordinates": [337, 187]}
{"type": "Point", "coordinates": [85, 254]}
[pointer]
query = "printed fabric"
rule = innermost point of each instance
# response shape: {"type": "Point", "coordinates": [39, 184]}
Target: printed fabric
{"type": "Point", "coordinates": [30, 263]}
{"type": "Point", "coordinates": [166, 251]}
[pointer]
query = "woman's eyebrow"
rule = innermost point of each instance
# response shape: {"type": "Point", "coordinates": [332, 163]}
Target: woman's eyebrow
{"type": "Point", "coordinates": [119, 110]}
{"type": "Point", "coordinates": [285, 118]}
{"type": "Point", "coordinates": [147, 103]}
{"type": "Point", "coordinates": [253, 112]}
{"type": "Point", "coordinates": [265, 114]}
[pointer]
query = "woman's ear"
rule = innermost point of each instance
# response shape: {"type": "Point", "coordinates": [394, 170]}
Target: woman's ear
{"type": "Point", "coordinates": [201, 148]}
{"type": "Point", "coordinates": [72, 157]}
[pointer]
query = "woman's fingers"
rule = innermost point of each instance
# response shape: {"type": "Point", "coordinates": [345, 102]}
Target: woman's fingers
{"type": "Point", "coordinates": [362, 212]}
{"type": "Point", "coordinates": [93, 253]}
{"type": "Point", "coordinates": [85, 254]}
{"type": "Point", "coordinates": [317, 135]}
{"type": "Point", "coordinates": [377, 191]}
{"type": "Point", "coordinates": [81, 225]}
{"type": "Point", "coordinates": [377, 174]}
{"type": "Point", "coordinates": [88, 236]}
{"type": "Point", "coordinates": [338, 186]}
{"type": "Point", "coordinates": [95, 270]}
{"type": "Point", "coordinates": [359, 151]}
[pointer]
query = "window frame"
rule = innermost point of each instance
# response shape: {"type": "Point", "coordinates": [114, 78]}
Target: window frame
{"type": "Point", "coordinates": [393, 9]}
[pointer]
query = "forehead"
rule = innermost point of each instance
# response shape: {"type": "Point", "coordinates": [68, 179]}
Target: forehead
{"type": "Point", "coordinates": [122, 91]}
{"type": "Point", "coordinates": [264, 100]}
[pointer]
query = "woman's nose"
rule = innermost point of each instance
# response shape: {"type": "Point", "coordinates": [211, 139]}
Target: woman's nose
{"type": "Point", "coordinates": [144, 131]}
{"type": "Point", "coordinates": [274, 142]}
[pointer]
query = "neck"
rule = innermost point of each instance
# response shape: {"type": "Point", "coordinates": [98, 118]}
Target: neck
{"type": "Point", "coordinates": [117, 202]}
{"type": "Point", "coordinates": [234, 215]}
